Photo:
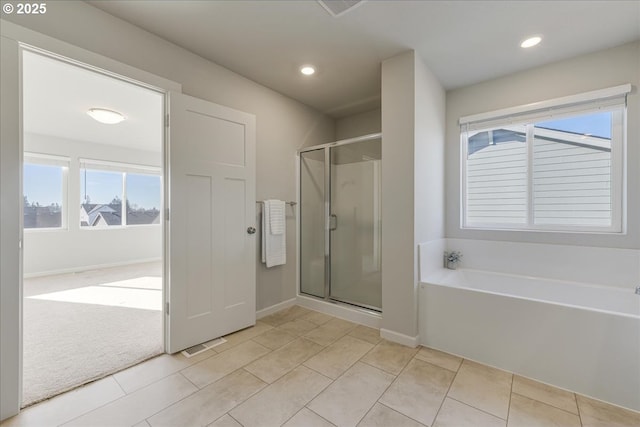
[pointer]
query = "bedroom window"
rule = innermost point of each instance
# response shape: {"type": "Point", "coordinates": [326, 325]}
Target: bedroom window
{"type": "Point", "coordinates": [101, 195]}
{"type": "Point", "coordinates": [143, 199]}
{"type": "Point", "coordinates": [117, 194]}
{"type": "Point", "coordinates": [552, 167]}
{"type": "Point", "coordinates": [44, 191]}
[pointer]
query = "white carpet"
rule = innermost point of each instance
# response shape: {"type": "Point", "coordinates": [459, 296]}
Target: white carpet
{"type": "Point", "coordinates": [109, 295]}
{"type": "Point", "coordinates": [77, 334]}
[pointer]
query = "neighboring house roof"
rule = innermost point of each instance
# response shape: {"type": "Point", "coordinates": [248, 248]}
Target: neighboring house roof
{"type": "Point", "coordinates": [484, 139]}
{"type": "Point", "coordinates": [109, 213]}
{"type": "Point", "coordinates": [42, 217]}
{"type": "Point", "coordinates": [111, 218]}
{"type": "Point", "coordinates": [143, 217]}
{"type": "Point", "coordinates": [94, 214]}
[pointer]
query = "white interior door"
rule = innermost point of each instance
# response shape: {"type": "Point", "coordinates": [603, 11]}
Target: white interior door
{"type": "Point", "coordinates": [211, 203]}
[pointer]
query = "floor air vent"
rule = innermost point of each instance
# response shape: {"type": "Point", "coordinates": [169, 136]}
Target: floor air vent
{"type": "Point", "coordinates": [197, 349]}
{"type": "Point", "coordinates": [339, 7]}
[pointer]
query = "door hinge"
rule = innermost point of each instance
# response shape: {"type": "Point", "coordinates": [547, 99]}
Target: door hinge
{"type": "Point", "coordinates": [166, 214]}
{"type": "Point", "coordinates": [166, 121]}
{"type": "Point", "coordinates": [167, 308]}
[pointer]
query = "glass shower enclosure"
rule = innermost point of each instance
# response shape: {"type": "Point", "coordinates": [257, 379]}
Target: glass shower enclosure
{"type": "Point", "coordinates": [340, 222]}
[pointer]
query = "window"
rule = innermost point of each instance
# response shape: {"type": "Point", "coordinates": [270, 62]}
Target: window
{"type": "Point", "coordinates": [143, 199]}
{"type": "Point", "coordinates": [557, 169]}
{"type": "Point", "coordinates": [116, 195]}
{"type": "Point", "coordinates": [45, 187]}
{"type": "Point", "coordinates": [101, 195]}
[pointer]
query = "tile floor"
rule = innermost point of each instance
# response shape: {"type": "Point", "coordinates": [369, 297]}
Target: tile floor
{"type": "Point", "coordinates": [302, 368]}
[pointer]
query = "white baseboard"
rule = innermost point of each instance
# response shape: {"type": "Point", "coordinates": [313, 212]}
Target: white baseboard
{"type": "Point", "coordinates": [276, 307]}
{"type": "Point", "coordinates": [352, 314]}
{"type": "Point", "coordinates": [82, 268]}
{"type": "Point", "coordinates": [399, 338]}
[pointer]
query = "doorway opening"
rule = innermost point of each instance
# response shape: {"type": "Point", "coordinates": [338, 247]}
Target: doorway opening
{"type": "Point", "coordinates": [93, 237]}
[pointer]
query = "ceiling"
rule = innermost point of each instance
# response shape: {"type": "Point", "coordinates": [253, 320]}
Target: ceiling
{"type": "Point", "coordinates": [57, 96]}
{"type": "Point", "coordinates": [462, 42]}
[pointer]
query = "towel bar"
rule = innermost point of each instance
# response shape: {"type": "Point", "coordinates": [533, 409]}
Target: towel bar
{"type": "Point", "coordinates": [288, 203]}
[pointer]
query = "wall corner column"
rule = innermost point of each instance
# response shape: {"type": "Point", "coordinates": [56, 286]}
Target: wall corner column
{"type": "Point", "coordinates": [413, 107]}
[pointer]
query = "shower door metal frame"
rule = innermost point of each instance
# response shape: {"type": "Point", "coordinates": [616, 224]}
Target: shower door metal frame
{"type": "Point", "coordinates": [327, 215]}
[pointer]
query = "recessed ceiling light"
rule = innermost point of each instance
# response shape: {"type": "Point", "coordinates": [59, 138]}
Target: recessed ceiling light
{"type": "Point", "coordinates": [307, 70]}
{"type": "Point", "coordinates": [105, 116]}
{"type": "Point", "coordinates": [531, 41]}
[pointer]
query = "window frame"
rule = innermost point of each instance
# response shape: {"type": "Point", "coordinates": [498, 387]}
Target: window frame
{"type": "Point", "coordinates": [124, 169]}
{"type": "Point", "coordinates": [528, 117]}
{"type": "Point", "coordinates": [53, 161]}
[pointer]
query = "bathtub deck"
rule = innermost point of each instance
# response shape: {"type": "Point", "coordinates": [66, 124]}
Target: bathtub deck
{"type": "Point", "coordinates": [295, 368]}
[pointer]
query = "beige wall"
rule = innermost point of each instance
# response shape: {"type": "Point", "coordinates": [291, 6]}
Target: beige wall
{"type": "Point", "coordinates": [10, 257]}
{"type": "Point", "coordinates": [412, 184]}
{"type": "Point", "coordinates": [428, 159]}
{"type": "Point", "coordinates": [282, 124]}
{"type": "Point", "coordinates": [584, 73]}
{"type": "Point", "coordinates": [398, 121]}
{"type": "Point", "coordinates": [359, 124]}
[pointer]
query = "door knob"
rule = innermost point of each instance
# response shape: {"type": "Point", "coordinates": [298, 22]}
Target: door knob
{"type": "Point", "coordinates": [251, 230]}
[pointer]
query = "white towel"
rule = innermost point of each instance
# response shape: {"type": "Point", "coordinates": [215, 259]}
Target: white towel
{"type": "Point", "coordinates": [274, 249]}
{"type": "Point", "coordinates": [276, 216]}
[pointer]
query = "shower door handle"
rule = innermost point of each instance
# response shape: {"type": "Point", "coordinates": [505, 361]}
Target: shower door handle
{"type": "Point", "coordinates": [333, 222]}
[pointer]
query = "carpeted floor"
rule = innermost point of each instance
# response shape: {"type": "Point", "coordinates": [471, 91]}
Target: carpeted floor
{"type": "Point", "coordinates": [116, 323]}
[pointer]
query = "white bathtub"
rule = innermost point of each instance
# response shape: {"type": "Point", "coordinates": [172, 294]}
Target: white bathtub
{"type": "Point", "coordinates": [584, 338]}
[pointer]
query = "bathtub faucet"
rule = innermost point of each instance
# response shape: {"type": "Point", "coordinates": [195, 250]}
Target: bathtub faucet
{"type": "Point", "coordinates": [451, 259]}
{"type": "Point", "coordinates": [638, 290]}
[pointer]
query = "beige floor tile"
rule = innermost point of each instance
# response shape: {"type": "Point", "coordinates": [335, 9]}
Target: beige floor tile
{"type": "Point", "coordinates": [210, 403]}
{"type": "Point", "coordinates": [299, 311]}
{"type": "Point", "coordinates": [366, 333]}
{"type": "Point", "coordinates": [225, 421]}
{"type": "Point", "coordinates": [216, 367]}
{"type": "Point", "coordinates": [600, 414]}
{"type": "Point", "coordinates": [339, 356]}
{"type": "Point", "coordinates": [155, 369]}
{"type": "Point", "coordinates": [277, 319]}
{"type": "Point", "coordinates": [69, 405]}
{"type": "Point", "coordinates": [307, 418]}
{"type": "Point", "coordinates": [457, 414]}
{"type": "Point", "coordinates": [317, 317]}
{"type": "Point", "coordinates": [142, 423]}
{"type": "Point", "coordinates": [389, 356]}
{"type": "Point", "coordinates": [287, 315]}
{"type": "Point", "coordinates": [274, 365]}
{"type": "Point", "coordinates": [281, 400]}
{"type": "Point", "coordinates": [331, 331]}
{"type": "Point", "coordinates": [382, 416]}
{"type": "Point", "coordinates": [298, 327]}
{"type": "Point", "coordinates": [545, 393]}
{"type": "Point", "coordinates": [439, 358]}
{"type": "Point", "coordinates": [525, 412]}
{"type": "Point", "coordinates": [244, 335]}
{"type": "Point", "coordinates": [139, 405]}
{"type": "Point", "coordinates": [419, 391]}
{"type": "Point", "coordinates": [349, 398]}
{"type": "Point", "coordinates": [274, 338]}
{"type": "Point", "coordinates": [482, 387]}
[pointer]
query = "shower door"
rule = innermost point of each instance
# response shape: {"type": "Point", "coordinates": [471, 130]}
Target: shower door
{"type": "Point", "coordinates": [313, 253]}
{"type": "Point", "coordinates": [340, 223]}
{"type": "Point", "coordinates": [355, 226]}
